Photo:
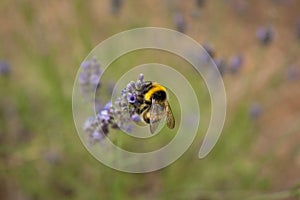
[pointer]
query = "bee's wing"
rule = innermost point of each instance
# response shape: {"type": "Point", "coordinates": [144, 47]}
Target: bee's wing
{"type": "Point", "coordinates": [170, 116]}
{"type": "Point", "coordinates": [157, 113]}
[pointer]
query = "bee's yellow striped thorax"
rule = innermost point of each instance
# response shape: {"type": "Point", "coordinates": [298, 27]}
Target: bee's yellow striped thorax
{"type": "Point", "coordinates": [155, 88]}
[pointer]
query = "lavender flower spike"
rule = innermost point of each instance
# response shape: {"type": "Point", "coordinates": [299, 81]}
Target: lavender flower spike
{"type": "Point", "coordinates": [114, 115]}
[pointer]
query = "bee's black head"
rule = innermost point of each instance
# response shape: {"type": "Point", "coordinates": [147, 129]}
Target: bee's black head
{"type": "Point", "coordinates": [159, 95]}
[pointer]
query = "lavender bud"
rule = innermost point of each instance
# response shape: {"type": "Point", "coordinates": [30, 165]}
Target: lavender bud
{"type": "Point", "coordinates": [85, 65]}
{"type": "Point", "coordinates": [95, 67]}
{"type": "Point", "coordinates": [108, 106]}
{"type": "Point", "coordinates": [132, 85]}
{"type": "Point", "coordinates": [141, 77]}
{"type": "Point", "coordinates": [83, 78]}
{"type": "Point", "coordinates": [96, 135]}
{"type": "Point", "coordinates": [103, 116]}
{"type": "Point", "coordinates": [123, 93]}
{"type": "Point", "coordinates": [136, 118]}
{"type": "Point", "coordinates": [95, 62]}
{"type": "Point", "coordinates": [94, 78]}
{"type": "Point", "coordinates": [139, 85]}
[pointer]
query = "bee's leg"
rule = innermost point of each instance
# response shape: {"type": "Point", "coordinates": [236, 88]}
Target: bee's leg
{"type": "Point", "coordinates": [142, 108]}
{"type": "Point", "coordinates": [146, 116]}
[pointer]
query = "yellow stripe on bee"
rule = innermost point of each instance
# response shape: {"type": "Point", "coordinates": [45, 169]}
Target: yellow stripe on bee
{"type": "Point", "coordinates": [155, 88]}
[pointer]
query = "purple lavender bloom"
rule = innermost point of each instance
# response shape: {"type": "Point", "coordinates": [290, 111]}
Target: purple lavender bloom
{"type": "Point", "coordinates": [265, 35]}
{"type": "Point", "coordinates": [104, 116]}
{"type": "Point", "coordinates": [119, 114]}
{"type": "Point", "coordinates": [180, 22]}
{"type": "Point", "coordinates": [236, 63]}
{"type": "Point", "coordinates": [4, 68]}
{"type": "Point", "coordinates": [255, 110]}
{"type": "Point", "coordinates": [131, 98]}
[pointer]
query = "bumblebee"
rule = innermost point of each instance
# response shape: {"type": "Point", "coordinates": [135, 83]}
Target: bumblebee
{"type": "Point", "coordinates": [152, 105]}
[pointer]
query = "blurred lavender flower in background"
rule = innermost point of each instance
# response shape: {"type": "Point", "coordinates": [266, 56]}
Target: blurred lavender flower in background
{"type": "Point", "coordinates": [180, 22]}
{"type": "Point", "coordinates": [89, 76]}
{"type": "Point", "coordinates": [200, 3]}
{"type": "Point", "coordinates": [265, 35]}
{"type": "Point", "coordinates": [255, 110]}
{"type": "Point", "coordinates": [209, 49]}
{"type": "Point", "coordinates": [4, 68]}
{"type": "Point", "coordinates": [236, 63]}
{"type": "Point", "coordinates": [221, 65]}
{"type": "Point", "coordinates": [292, 73]}
{"type": "Point", "coordinates": [116, 6]}
{"type": "Point", "coordinates": [209, 54]}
